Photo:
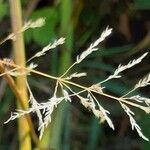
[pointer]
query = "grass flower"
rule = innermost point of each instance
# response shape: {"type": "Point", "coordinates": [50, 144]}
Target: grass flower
{"type": "Point", "coordinates": [64, 82]}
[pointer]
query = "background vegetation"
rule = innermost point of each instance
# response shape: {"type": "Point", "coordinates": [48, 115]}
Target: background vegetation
{"type": "Point", "coordinates": [80, 21]}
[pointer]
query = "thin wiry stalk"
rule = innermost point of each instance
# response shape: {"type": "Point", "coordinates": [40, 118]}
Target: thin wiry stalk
{"type": "Point", "coordinates": [132, 121]}
{"type": "Point", "coordinates": [47, 48]}
{"type": "Point", "coordinates": [68, 70]}
{"type": "Point", "coordinates": [9, 71]}
{"type": "Point", "coordinates": [89, 50]}
{"type": "Point", "coordinates": [142, 83]}
{"type": "Point", "coordinates": [30, 24]}
{"type": "Point", "coordinates": [62, 80]}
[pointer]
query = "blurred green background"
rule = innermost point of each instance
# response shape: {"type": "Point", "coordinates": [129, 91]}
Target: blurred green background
{"type": "Point", "coordinates": [81, 22]}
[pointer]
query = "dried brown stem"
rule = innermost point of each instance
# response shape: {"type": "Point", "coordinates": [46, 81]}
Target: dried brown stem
{"type": "Point", "coordinates": [15, 90]}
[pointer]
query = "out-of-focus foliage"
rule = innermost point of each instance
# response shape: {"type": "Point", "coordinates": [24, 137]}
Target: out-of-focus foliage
{"type": "Point", "coordinates": [142, 4]}
{"type": "Point", "coordinates": [3, 9]}
{"type": "Point", "coordinates": [46, 33]}
{"type": "Point", "coordinates": [130, 22]}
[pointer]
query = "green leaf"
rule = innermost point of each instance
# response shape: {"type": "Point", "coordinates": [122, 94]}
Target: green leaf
{"type": "Point", "coordinates": [142, 4]}
{"type": "Point", "coordinates": [91, 64]}
{"type": "Point", "coordinates": [3, 10]}
{"type": "Point", "coordinates": [144, 123]}
{"type": "Point", "coordinates": [46, 33]}
{"type": "Point", "coordinates": [6, 101]}
{"type": "Point", "coordinates": [111, 51]}
{"type": "Point", "coordinates": [94, 135]}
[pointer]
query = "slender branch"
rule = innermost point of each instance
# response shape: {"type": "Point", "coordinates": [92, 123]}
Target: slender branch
{"type": "Point", "coordinates": [68, 70]}
{"type": "Point", "coordinates": [107, 95]}
{"type": "Point", "coordinates": [8, 71]}
{"type": "Point", "coordinates": [120, 99]}
{"type": "Point", "coordinates": [129, 92]}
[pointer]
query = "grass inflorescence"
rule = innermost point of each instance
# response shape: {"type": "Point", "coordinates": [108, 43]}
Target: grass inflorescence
{"type": "Point", "coordinates": [65, 84]}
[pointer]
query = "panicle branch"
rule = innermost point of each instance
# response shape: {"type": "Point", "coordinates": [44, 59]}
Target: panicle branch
{"type": "Point", "coordinates": [48, 47]}
{"type": "Point", "coordinates": [93, 46]}
{"type": "Point", "coordinates": [121, 68]}
{"type": "Point", "coordinates": [30, 24]}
